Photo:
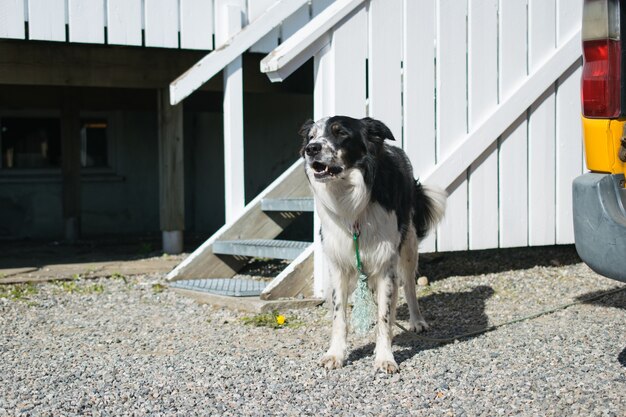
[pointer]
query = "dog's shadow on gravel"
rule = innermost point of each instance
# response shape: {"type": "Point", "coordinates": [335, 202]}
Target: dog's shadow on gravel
{"type": "Point", "coordinates": [458, 313]}
{"type": "Point", "coordinates": [621, 358]}
{"type": "Point", "coordinates": [616, 300]}
{"type": "Point", "coordinates": [449, 314]}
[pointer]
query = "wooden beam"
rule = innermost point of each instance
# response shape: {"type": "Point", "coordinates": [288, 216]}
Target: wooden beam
{"type": "Point", "coordinates": [234, 170]}
{"type": "Point", "coordinates": [77, 65]}
{"type": "Point", "coordinates": [214, 62]}
{"type": "Point", "coordinates": [64, 64]}
{"type": "Point", "coordinates": [171, 173]}
{"type": "Point", "coordinates": [70, 165]}
{"type": "Point", "coordinates": [471, 146]}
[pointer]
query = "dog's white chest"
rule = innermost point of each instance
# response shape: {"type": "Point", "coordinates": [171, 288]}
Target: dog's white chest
{"type": "Point", "coordinates": [378, 239]}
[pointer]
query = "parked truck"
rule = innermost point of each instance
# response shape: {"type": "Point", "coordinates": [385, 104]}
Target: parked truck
{"type": "Point", "coordinates": [599, 197]}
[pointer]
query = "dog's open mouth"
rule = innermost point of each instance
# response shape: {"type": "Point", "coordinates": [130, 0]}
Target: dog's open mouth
{"type": "Point", "coordinates": [321, 171]}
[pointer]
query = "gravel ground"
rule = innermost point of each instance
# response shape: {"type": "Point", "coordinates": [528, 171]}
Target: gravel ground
{"type": "Point", "coordinates": [128, 346]}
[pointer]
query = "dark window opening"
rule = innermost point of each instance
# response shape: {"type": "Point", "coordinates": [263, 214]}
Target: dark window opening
{"type": "Point", "coordinates": [30, 143]}
{"type": "Point", "coordinates": [94, 151]}
{"type": "Point", "coordinates": [35, 143]}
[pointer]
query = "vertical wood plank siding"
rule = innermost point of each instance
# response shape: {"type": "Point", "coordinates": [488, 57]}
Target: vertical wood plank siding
{"type": "Point", "coordinates": [452, 114]}
{"type": "Point", "coordinates": [385, 60]}
{"type": "Point", "coordinates": [186, 24]}
{"type": "Point", "coordinates": [12, 19]}
{"type": "Point", "coordinates": [46, 20]}
{"type": "Point", "coordinates": [124, 22]}
{"type": "Point", "coordinates": [161, 23]}
{"type": "Point", "coordinates": [418, 83]}
{"type": "Point", "coordinates": [569, 149]}
{"type": "Point", "coordinates": [513, 159]}
{"type": "Point", "coordinates": [86, 21]}
{"type": "Point", "coordinates": [196, 24]}
{"type": "Point", "coordinates": [541, 127]}
{"type": "Point", "coordinates": [482, 98]}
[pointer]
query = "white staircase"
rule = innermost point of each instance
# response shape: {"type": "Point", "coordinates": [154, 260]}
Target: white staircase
{"type": "Point", "coordinates": [214, 267]}
{"type": "Point", "coordinates": [211, 273]}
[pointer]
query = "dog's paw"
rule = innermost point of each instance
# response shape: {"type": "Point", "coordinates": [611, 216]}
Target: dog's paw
{"type": "Point", "coordinates": [388, 366]}
{"type": "Point", "coordinates": [330, 361]}
{"type": "Point", "coordinates": [418, 326]}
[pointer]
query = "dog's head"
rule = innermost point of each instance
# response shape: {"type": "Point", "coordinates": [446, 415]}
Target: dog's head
{"type": "Point", "coordinates": [334, 145]}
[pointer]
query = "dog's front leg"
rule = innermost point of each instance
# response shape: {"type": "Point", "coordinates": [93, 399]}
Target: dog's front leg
{"type": "Point", "coordinates": [335, 356]}
{"type": "Point", "coordinates": [387, 293]}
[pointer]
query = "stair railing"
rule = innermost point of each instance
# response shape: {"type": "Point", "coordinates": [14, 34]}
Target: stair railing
{"type": "Point", "coordinates": [308, 41]}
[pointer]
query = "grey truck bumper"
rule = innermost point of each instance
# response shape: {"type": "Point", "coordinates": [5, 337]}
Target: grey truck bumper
{"type": "Point", "coordinates": [600, 223]}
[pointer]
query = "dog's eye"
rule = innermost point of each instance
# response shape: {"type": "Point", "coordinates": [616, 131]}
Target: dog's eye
{"type": "Point", "coordinates": [342, 134]}
{"type": "Point", "coordinates": [338, 131]}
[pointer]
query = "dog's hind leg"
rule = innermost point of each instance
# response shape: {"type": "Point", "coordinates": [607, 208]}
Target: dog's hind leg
{"type": "Point", "coordinates": [335, 356]}
{"type": "Point", "coordinates": [407, 267]}
{"type": "Point", "coordinates": [386, 295]}
{"type": "Point", "coordinates": [417, 323]}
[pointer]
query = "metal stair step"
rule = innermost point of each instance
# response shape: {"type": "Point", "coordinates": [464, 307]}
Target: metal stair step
{"type": "Point", "coordinates": [232, 287]}
{"type": "Point", "coordinates": [261, 248]}
{"type": "Point", "coordinates": [287, 204]}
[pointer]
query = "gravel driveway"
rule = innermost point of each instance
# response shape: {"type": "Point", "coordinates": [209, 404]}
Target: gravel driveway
{"type": "Point", "coordinates": [126, 346]}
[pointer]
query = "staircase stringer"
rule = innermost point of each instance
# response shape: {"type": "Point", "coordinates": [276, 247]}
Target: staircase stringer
{"type": "Point", "coordinates": [296, 280]}
{"type": "Point", "coordinates": [253, 223]}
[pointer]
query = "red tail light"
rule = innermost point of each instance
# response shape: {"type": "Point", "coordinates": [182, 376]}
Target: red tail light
{"type": "Point", "coordinates": [601, 79]}
{"type": "Point", "coordinates": [602, 56]}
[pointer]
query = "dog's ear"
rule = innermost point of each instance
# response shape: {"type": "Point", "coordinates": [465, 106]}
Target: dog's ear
{"type": "Point", "coordinates": [304, 133]}
{"type": "Point", "coordinates": [306, 127]}
{"type": "Point", "coordinates": [376, 130]}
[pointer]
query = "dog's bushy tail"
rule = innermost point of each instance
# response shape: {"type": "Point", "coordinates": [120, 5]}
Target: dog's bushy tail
{"type": "Point", "coordinates": [429, 208]}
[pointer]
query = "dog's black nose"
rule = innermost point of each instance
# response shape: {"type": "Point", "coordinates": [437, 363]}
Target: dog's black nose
{"type": "Point", "coordinates": [313, 149]}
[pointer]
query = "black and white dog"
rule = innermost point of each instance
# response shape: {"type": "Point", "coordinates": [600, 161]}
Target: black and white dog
{"type": "Point", "coordinates": [361, 182]}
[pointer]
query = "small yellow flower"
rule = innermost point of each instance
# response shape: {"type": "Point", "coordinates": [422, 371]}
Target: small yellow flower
{"type": "Point", "coordinates": [280, 319]}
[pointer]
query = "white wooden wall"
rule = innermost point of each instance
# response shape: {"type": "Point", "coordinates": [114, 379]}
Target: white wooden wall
{"type": "Point", "coordinates": [437, 71]}
{"type": "Point", "coordinates": [187, 24]}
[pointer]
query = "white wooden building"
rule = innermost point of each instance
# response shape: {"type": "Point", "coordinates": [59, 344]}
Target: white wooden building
{"type": "Point", "coordinates": [483, 94]}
